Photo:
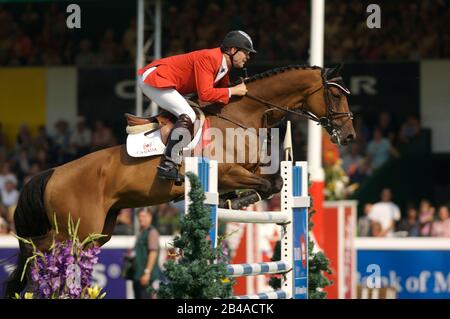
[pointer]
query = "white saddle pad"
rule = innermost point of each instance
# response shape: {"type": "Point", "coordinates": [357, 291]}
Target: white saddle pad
{"type": "Point", "coordinates": [139, 145]}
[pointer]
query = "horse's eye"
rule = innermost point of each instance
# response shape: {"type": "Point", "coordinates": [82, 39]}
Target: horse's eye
{"type": "Point", "coordinates": [336, 95]}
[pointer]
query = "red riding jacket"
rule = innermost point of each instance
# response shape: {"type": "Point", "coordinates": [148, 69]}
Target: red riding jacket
{"type": "Point", "coordinates": [194, 72]}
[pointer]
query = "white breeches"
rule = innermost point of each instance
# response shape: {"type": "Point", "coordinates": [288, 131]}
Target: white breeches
{"type": "Point", "coordinates": [168, 99]}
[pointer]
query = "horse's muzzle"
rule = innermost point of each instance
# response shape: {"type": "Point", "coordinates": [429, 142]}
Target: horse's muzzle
{"type": "Point", "coordinates": [336, 138]}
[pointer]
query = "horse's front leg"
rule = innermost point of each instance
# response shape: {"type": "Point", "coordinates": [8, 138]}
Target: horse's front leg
{"type": "Point", "coordinates": [233, 177]}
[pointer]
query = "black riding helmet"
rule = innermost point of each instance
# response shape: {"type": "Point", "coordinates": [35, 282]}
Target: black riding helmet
{"type": "Point", "coordinates": [238, 39]}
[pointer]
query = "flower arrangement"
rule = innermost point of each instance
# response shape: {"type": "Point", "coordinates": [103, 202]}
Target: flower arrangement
{"type": "Point", "coordinates": [64, 271]}
{"type": "Point", "coordinates": [336, 180]}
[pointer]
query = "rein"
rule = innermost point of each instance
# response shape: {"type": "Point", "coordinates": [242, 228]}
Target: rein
{"type": "Point", "coordinates": [325, 121]}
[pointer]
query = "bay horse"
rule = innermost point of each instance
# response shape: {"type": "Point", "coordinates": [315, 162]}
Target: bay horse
{"type": "Point", "coordinates": [95, 187]}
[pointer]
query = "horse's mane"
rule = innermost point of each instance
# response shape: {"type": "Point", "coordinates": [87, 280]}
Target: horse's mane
{"type": "Point", "coordinates": [278, 70]}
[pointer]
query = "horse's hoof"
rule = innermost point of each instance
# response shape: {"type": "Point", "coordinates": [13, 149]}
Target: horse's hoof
{"type": "Point", "coordinates": [178, 183]}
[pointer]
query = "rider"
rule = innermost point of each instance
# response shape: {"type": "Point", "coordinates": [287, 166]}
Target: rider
{"type": "Point", "coordinates": [205, 72]}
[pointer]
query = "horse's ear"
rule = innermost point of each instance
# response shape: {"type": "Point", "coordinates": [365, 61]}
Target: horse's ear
{"type": "Point", "coordinates": [335, 72]}
{"type": "Point", "coordinates": [339, 68]}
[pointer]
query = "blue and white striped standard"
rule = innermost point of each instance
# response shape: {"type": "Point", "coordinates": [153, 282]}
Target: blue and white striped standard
{"type": "Point", "coordinates": [275, 267]}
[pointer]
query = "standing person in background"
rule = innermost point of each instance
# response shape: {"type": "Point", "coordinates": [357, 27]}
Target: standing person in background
{"type": "Point", "coordinates": [386, 213]}
{"type": "Point", "coordinates": [146, 253]}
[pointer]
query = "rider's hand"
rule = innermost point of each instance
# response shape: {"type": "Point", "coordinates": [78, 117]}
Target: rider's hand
{"type": "Point", "coordinates": [239, 90]}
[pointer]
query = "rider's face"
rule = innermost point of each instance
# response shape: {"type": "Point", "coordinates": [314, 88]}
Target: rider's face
{"type": "Point", "coordinates": [240, 58]}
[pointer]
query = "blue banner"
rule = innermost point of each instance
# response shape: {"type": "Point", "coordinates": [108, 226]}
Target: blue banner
{"type": "Point", "coordinates": [416, 274]}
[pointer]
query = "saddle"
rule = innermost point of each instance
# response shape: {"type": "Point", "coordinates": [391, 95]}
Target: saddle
{"type": "Point", "coordinates": [148, 136]}
{"type": "Point", "coordinates": [163, 121]}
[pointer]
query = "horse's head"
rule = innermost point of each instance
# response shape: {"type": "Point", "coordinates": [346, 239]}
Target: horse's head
{"type": "Point", "coordinates": [328, 103]}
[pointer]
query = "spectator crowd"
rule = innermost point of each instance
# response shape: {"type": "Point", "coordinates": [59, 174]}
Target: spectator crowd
{"type": "Point", "coordinates": [384, 219]}
{"type": "Point", "coordinates": [376, 144]}
{"type": "Point", "coordinates": [36, 34]}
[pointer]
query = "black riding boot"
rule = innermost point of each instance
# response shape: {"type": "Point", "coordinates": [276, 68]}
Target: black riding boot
{"type": "Point", "coordinates": [169, 167]}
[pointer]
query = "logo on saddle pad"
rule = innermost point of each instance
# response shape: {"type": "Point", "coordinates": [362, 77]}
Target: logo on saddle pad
{"type": "Point", "coordinates": [141, 145]}
{"type": "Point", "coordinates": [148, 147]}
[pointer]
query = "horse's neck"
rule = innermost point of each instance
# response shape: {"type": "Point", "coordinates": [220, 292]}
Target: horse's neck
{"type": "Point", "coordinates": [286, 90]}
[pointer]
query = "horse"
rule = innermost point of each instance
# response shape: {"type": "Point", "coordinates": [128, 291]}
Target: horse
{"type": "Point", "coordinates": [95, 187]}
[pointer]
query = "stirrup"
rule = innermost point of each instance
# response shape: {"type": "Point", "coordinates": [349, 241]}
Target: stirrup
{"type": "Point", "coordinates": [176, 177]}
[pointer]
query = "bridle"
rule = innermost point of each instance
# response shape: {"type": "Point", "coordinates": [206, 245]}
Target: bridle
{"type": "Point", "coordinates": [327, 121]}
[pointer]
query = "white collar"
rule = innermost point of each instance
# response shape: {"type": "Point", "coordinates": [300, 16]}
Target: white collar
{"type": "Point", "coordinates": [223, 70]}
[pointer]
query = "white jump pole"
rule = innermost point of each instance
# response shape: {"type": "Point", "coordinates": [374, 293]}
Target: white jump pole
{"type": "Point", "coordinates": [315, 131]}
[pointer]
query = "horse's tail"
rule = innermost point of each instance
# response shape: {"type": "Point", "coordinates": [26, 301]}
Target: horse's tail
{"type": "Point", "coordinates": [30, 221]}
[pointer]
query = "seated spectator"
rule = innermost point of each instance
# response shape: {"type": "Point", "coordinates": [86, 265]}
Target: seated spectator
{"type": "Point", "coordinates": [377, 229]}
{"type": "Point", "coordinates": [81, 139]}
{"type": "Point", "coordinates": [410, 129]}
{"type": "Point", "coordinates": [426, 217]}
{"type": "Point", "coordinates": [62, 141]}
{"type": "Point", "coordinates": [129, 39]}
{"type": "Point", "coordinates": [4, 228]}
{"type": "Point", "coordinates": [23, 163]}
{"type": "Point", "coordinates": [363, 171]}
{"type": "Point", "coordinates": [62, 134]}
{"type": "Point", "coordinates": [441, 227]}
{"type": "Point", "coordinates": [410, 224]}
{"type": "Point", "coordinates": [364, 222]}
{"type": "Point", "coordinates": [386, 213]}
{"type": "Point", "coordinates": [42, 140]}
{"type": "Point", "coordinates": [85, 56]}
{"type": "Point", "coordinates": [379, 149]}
{"type": "Point", "coordinates": [9, 217]}
{"type": "Point", "coordinates": [42, 159]}
{"type": "Point", "coordinates": [387, 126]}
{"type": "Point", "coordinates": [102, 137]}
{"type": "Point", "coordinates": [34, 169]}
{"type": "Point", "coordinates": [109, 50]}
{"type": "Point", "coordinates": [9, 194]}
{"type": "Point", "coordinates": [23, 140]}
{"type": "Point", "coordinates": [6, 174]}
{"type": "Point", "coordinates": [352, 161]}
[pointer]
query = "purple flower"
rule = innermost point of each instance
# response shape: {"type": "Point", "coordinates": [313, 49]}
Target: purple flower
{"type": "Point", "coordinates": [35, 274]}
{"type": "Point", "coordinates": [65, 271]}
{"type": "Point", "coordinates": [55, 283]}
